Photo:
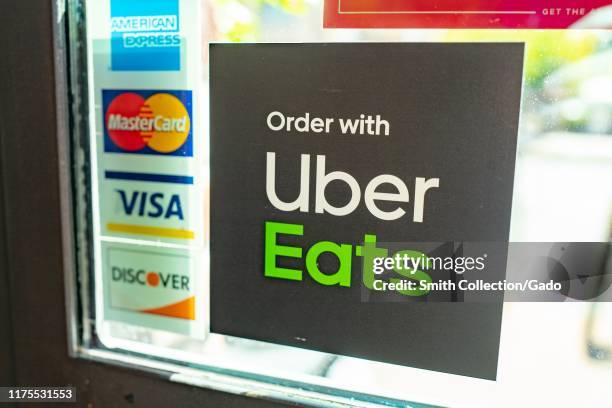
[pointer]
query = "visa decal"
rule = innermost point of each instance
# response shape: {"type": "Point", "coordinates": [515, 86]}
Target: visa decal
{"type": "Point", "coordinates": [153, 205]}
{"type": "Point", "coordinates": [148, 122]}
{"type": "Point", "coordinates": [150, 212]}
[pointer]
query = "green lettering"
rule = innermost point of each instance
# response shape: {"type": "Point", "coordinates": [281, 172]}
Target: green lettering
{"type": "Point", "coordinates": [369, 252]}
{"type": "Point", "coordinates": [344, 253]}
{"type": "Point", "coordinates": [272, 250]}
{"type": "Point", "coordinates": [417, 275]}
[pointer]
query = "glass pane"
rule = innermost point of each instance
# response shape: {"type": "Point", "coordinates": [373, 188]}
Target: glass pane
{"type": "Point", "coordinates": [146, 236]}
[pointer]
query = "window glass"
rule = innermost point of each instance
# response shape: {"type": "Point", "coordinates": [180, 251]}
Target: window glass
{"type": "Point", "coordinates": [145, 293]}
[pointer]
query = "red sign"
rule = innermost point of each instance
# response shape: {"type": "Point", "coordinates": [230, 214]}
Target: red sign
{"type": "Point", "coordinates": [458, 13]}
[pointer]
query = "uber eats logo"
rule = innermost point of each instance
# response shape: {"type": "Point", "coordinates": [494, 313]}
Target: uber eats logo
{"type": "Point", "coordinates": [396, 208]}
{"type": "Point", "coordinates": [344, 253]}
{"type": "Point", "coordinates": [153, 279]}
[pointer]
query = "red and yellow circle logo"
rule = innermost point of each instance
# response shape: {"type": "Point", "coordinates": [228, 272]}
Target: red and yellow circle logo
{"type": "Point", "coordinates": [160, 122]}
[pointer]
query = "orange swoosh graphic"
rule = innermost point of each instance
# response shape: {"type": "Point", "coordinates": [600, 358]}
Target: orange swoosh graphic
{"type": "Point", "coordinates": [185, 309]}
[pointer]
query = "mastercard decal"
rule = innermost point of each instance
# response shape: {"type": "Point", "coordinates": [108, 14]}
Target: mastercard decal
{"type": "Point", "coordinates": [148, 122]}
